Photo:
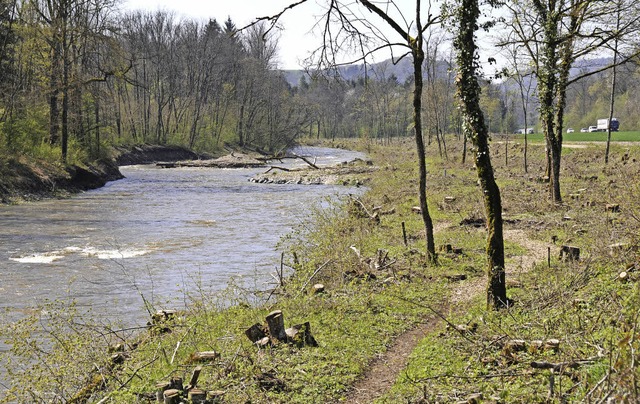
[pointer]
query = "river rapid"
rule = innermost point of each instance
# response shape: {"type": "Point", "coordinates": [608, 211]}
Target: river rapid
{"type": "Point", "coordinates": [153, 234]}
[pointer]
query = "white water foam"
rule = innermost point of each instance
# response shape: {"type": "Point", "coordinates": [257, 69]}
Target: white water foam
{"type": "Point", "coordinates": [46, 258]}
{"type": "Point", "coordinates": [102, 254]}
{"type": "Point", "coordinates": [112, 254]}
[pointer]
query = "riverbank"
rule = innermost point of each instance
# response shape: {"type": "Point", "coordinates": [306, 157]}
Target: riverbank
{"type": "Point", "coordinates": [23, 179]}
{"type": "Point", "coordinates": [27, 179]}
{"type": "Point", "coordinates": [392, 328]}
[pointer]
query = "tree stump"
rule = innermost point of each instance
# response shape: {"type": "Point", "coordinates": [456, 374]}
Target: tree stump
{"type": "Point", "coordinates": [197, 396]}
{"type": "Point", "coordinates": [172, 396]}
{"type": "Point", "coordinates": [256, 332]}
{"type": "Point", "coordinates": [569, 253]}
{"type": "Point", "coordinates": [176, 383]}
{"type": "Point", "coordinates": [160, 389]}
{"type": "Point", "coordinates": [300, 335]}
{"type": "Point", "coordinates": [275, 324]}
{"type": "Point", "coordinates": [612, 207]}
{"type": "Point", "coordinates": [163, 315]}
{"type": "Point", "coordinates": [193, 382]}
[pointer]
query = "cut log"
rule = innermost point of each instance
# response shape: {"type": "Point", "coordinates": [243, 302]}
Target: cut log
{"type": "Point", "coordinates": [275, 324]}
{"type": "Point", "coordinates": [118, 358]}
{"type": "Point", "coordinates": [536, 346]}
{"type": "Point", "coordinates": [514, 345]}
{"type": "Point", "coordinates": [206, 356]}
{"type": "Point", "coordinates": [215, 396]}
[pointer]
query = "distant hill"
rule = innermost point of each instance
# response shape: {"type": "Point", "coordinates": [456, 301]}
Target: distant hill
{"type": "Point", "coordinates": [403, 70]}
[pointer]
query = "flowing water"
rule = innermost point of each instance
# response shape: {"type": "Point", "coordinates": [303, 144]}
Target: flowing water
{"type": "Point", "coordinates": [151, 234]}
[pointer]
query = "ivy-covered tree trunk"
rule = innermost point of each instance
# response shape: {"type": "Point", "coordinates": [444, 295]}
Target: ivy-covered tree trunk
{"type": "Point", "coordinates": [476, 129]}
{"type": "Point", "coordinates": [551, 91]}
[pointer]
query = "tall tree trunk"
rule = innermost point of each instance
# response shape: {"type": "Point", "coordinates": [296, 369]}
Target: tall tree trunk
{"type": "Point", "coordinates": [469, 92]}
{"type": "Point", "coordinates": [613, 87]}
{"type": "Point", "coordinates": [65, 93]}
{"type": "Point", "coordinates": [54, 111]}
{"type": "Point", "coordinates": [611, 105]}
{"type": "Point", "coordinates": [418, 58]}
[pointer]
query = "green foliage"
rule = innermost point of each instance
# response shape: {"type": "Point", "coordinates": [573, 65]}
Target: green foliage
{"type": "Point", "coordinates": [23, 134]}
{"type": "Point", "coordinates": [57, 349]}
{"type": "Point", "coordinates": [584, 304]}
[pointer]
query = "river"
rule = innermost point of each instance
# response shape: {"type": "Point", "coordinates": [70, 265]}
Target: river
{"type": "Point", "coordinates": [153, 234]}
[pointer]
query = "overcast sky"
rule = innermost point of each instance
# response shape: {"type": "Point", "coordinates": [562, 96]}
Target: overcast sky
{"type": "Point", "coordinates": [296, 41]}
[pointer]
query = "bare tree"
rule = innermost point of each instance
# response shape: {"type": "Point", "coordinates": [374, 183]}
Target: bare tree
{"type": "Point", "coordinates": [523, 78]}
{"type": "Point", "coordinates": [555, 33]}
{"type": "Point", "coordinates": [616, 39]}
{"type": "Point", "coordinates": [358, 30]}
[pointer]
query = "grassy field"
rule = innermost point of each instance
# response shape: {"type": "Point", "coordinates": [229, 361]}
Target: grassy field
{"type": "Point", "coordinates": [631, 136]}
{"type": "Point", "coordinates": [572, 335]}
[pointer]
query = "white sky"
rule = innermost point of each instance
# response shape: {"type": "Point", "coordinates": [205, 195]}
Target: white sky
{"type": "Point", "coordinates": [296, 40]}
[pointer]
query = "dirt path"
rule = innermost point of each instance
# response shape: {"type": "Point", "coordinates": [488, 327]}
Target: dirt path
{"type": "Point", "coordinates": [386, 368]}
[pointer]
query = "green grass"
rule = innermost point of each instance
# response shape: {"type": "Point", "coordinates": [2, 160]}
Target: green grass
{"type": "Point", "coordinates": [630, 136]}
{"type": "Point", "coordinates": [582, 303]}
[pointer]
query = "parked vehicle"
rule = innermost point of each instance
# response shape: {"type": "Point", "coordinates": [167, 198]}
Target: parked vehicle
{"type": "Point", "coordinates": [570, 130]}
{"type": "Point", "coordinates": [593, 129]}
{"type": "Point", "coordinates": [603, 125]}
{"type": "Point", "coordinates": [521, 131]}
{"type": "Point", "coordinates": [584, 130]}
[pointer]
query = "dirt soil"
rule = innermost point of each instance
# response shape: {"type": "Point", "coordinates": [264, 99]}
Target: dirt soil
{"type": "Point", "coordinates": [385, 369]}
{"type": "Point", "coordinates": [22, 179]}
{"type": "Point", "coordinates": [148, 154]}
